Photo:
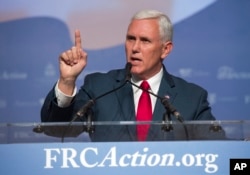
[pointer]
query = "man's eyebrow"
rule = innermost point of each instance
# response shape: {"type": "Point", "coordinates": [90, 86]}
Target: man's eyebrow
{"type": "Point", "coordinates": [143, 38]}
{"type": "Point", "coordinates": [130, 36]}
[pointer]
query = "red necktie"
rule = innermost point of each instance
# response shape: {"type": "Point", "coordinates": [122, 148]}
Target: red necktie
{"type": "Point", "coordinates": [144, 112]}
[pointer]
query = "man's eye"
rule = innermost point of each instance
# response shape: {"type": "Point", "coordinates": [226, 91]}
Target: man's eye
{"type": "Point", "coordinates": [130, 38]}
{"type": "Point", "coordinates": [145, 40]}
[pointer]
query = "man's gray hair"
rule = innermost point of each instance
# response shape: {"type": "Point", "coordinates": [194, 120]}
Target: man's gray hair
{"type": "Point", "coordinates": [165, 25]}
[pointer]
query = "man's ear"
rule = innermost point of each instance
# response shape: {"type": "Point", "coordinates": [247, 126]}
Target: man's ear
{"type": "Point", "coordinates": [166, 49]}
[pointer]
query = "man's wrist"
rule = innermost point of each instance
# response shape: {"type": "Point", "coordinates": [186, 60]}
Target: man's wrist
{"type": "Point", "coordinates": [63, 100]}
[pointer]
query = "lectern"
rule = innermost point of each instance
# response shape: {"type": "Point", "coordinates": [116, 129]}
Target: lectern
{"type": "Point", "coordinates": [111, 147]}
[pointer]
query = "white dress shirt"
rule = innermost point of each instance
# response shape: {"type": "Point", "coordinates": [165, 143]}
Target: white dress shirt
{"type": "Point", "coordinates": [154, 83]}
{"type": "Point", "coordinates": [63, 100]}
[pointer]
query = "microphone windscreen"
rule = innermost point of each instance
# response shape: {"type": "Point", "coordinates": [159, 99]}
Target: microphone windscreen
{"type": "Point", "coordinates": [128, 68]}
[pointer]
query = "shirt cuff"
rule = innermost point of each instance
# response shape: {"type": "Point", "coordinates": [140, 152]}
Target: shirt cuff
{"type": "Point", "coordinates": [63, 100]}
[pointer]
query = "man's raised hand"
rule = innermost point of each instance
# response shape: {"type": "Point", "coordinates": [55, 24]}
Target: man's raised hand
{"type": "Point", "coordinates": [72, 62]}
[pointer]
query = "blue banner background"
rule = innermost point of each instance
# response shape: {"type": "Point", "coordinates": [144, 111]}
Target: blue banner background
{"type": "Point", "coordinates": [17, 154]}
{"type": "Point", "coordinates": [211, 48]}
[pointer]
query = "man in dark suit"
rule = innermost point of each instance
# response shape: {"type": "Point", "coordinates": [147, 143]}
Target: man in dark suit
{"type": "Point", "coordinates": [148, 43]}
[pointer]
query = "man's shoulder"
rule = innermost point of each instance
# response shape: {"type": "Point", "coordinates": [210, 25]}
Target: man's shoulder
{"type": "Point", "coordinates": [114, 74]}
{"type": "Point", "coordinates": [184, 84]}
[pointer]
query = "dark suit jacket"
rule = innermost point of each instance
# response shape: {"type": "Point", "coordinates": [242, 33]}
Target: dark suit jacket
{"type": "Point", "coordinates": [189, 99]}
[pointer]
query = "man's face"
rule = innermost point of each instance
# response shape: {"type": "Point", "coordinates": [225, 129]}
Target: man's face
{"type": "Point", "coordinates": [144, 48]}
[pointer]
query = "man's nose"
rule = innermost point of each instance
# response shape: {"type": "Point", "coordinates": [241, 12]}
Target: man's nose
{"type": "Point", "coordinates": [136, 46]}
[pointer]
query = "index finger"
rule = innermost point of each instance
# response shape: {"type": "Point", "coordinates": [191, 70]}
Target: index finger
{"type": "Point", "coordinates": [78, 42]}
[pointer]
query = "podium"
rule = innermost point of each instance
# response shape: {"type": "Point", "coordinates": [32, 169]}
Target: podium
{"type": "Point", "coordinates": [111, 147]}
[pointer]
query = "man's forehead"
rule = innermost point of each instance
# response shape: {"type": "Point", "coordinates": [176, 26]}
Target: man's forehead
{"type": "Point", "coordinates": [143, 27]}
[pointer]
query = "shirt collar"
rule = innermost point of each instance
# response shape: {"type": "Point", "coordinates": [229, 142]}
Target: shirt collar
{"type": "Point", "coordinates": [154, 81]}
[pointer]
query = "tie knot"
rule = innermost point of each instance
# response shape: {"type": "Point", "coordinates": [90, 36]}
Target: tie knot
{"type": "Point", "coordinates": [145, 85]}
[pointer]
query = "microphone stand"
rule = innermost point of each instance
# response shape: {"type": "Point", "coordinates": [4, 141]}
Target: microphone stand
{"type": "Point", "coordinates": [86, 109]}
{"type": "Point", "coordinates": [166, 122]}
{"type": "Point", "coordinates": [169, 110]}
{"type": "Point", "coordinates": [166, 118]}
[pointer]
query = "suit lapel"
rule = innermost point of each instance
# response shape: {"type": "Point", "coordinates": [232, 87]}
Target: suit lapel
{"type": "Point", "coordinates": [125, 98]}
{"type": "Point", "coordinates": [127, 108]}
{"type": "Point", "coordinates": [126, 103]}
{"type": "Point", "coordinates": [166, 90]}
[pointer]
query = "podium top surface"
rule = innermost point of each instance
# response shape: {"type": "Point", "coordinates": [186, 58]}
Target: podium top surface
{"type": "Point", "coordinates": [109, 131]}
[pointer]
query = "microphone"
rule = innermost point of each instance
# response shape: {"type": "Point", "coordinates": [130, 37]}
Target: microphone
{"type": "Point", "coordinates": [128, 73]}
{"type": "Point", "coordinates": [170, 108]}
{"type": "Point", "coordinates": [85, 109]}
{"type": "Point", "coordinates": [91, 102]}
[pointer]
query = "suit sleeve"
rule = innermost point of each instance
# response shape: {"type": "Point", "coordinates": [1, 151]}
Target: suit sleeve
{"type": "Point", "coordinates": [51, 112]}
{"type": "Point", "coordinates": [203, 109]}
